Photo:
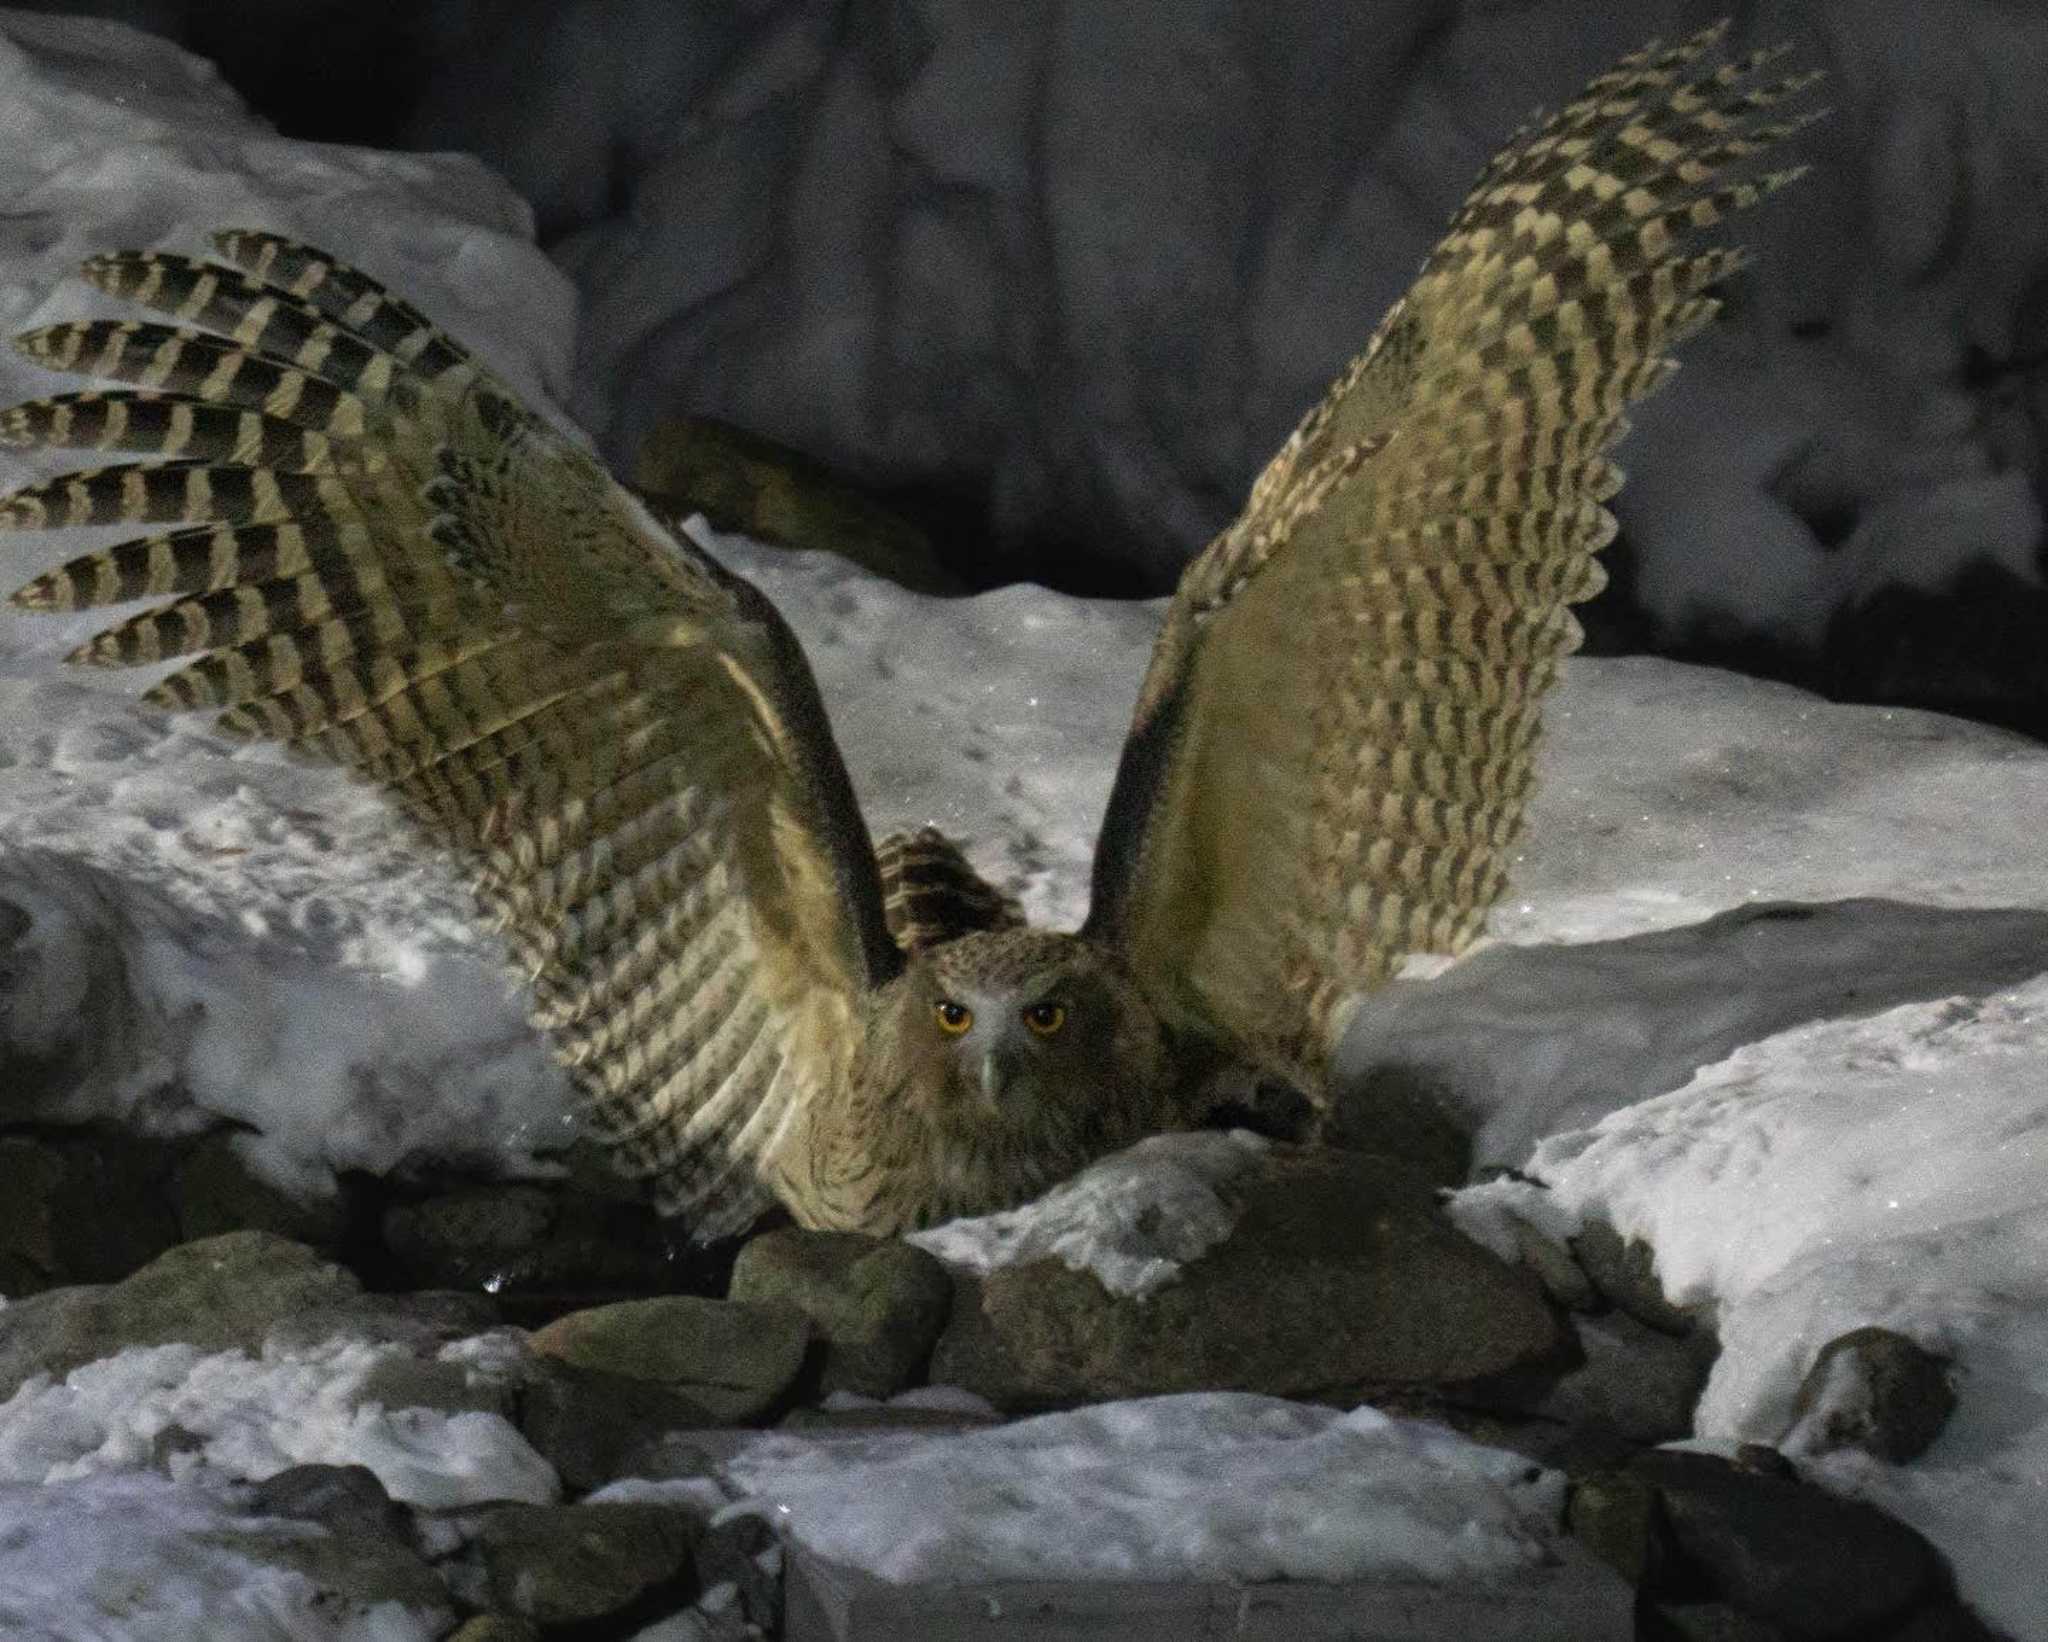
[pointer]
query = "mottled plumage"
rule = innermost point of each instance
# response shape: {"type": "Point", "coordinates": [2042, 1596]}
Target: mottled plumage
{"type": "Point", "coordinates": [374, 551]}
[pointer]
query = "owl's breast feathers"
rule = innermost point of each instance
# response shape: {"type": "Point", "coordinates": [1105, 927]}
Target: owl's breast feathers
{"type": "Point", "coordinates": [366, 547]}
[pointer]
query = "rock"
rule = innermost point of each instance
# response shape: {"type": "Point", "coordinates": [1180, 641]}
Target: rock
{"type": "Point", "coordinates": [877, 1304]}
{"type": "Point", "coordinates": [1875, 1390]}
{"type": "Point", "coordinates": [213, 1190]}
{"type": "Point", "coordinates": [1707, 1622]}
{"type": "Point", "coordinates": [427, 1382]}
{"type": "Point", "coordinates": [217, 1293]}
{"type": "Point", "coordinates": [1403, 1112]}
{"type": "Point", "coordinates": [743, 1552]}
{"type": "Point", "coordinates": [496, 1627]}
{"type": "Point", "coordinates": [591, 1426]}
{"type": "Point", "coordinates": [366, 1556]}
{"type": "Point", "coordinates": [1625, 1273]}
{"type": "Point", "coordinates": [1618, 1517]}
{"type": "Point", "coordinates": [1820, 1566]}
{"type": "Point", "coordinates": [1634, 1382]}
{"type": "Point", "coordinates": [1555, 1266]}
{"type": "Point", "coordinates": [84, 1208]}
{"type": "Point", "coordinates": [519, 1240]}
{"type": "Point", "coordinates": [734, 1357]}
{"type": "Point", "coordinates": [342, 1498]}
{"type": "Point", "coordinates": [1943, 1621]}
{"type": "Point", "coordinates": [744, 482]}
{"type": "Point", "coordinates": [421, 1322]}
{"type": "Point", "coordinates": [1341, 1273]}
{"type": "Point", "coordinates": [564, 1564]}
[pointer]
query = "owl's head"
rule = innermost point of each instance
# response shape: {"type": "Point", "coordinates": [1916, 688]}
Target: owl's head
{"type": "Point", "coordinates": [1031, 1030]}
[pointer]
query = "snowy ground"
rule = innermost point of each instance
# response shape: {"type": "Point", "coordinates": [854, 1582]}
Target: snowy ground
{"type": "Point", "coordinates": [1820, 1122]}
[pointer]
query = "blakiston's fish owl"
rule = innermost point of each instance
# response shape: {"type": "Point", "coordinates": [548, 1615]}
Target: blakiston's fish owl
{"type": "Point", "coordinates": [376, 552]}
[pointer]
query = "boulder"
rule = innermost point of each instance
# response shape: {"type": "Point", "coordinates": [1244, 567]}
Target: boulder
{"type": "Point", "coordinates": [569, 1564]}
{"type": "Point", "coordinates": [877, 1305]}
{"type": "Point", "coordinates": [1340, 1274]}
{"type": "Point", "coordinates": [83, 1208]}
{"type": "Point", "coordinates": [1875, 1390]}
{"type": "Point", "coordinates": [218, 1293]}
{"type": "Point", "coordinates": [593, 1426]}
{"type": "Point", "coordinates": [735, 1358]}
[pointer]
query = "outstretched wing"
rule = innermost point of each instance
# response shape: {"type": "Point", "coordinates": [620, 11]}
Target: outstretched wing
{"type": "Point", "coordinates": [376, 553]}
{"type": "Point", "coordinates": [1335, 740]}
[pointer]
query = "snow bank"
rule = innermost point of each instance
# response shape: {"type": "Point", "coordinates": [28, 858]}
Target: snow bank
{"type": "Point", "coordinates": [226, 1415]}
{"type": "Point", "coordinates": [1890, 1171]}
{"type": "Point", "coordinates": [1222, 1486]}
{"type": "Point", "coordinates": [135, 1556]}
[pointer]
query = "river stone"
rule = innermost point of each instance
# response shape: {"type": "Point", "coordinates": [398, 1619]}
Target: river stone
{"type": "Point", "coordinates": [83, 1208]}
{"type": "Point", "coordinates": [422, 1322]}
{"type": "Point", "coordinates": [592, 1426]}
{"type": "Point", "coordinates": [1341, 1273]}
{"type": "Point", "coordinates": [1625, 1273]}
{"type": "Point", "coordinates": [1822, 1567]}
{"type": "Point", "coordinates": [1634, 1382]}
{"type": "Point", "coordinates": [877, 1304]}
{"type": "Point", "coordinates": [341, 1498]}
{"type": "Point", "coordinates": [219, 1293]}
{"type": "Point", "coordinates": [365, 1555]}
{"type": "Point", "coordinates": [496, 1627]}
{"type": "Point", "coordinates": [520, 1239]}
{"type": "Point", "coordinates": [213, 1190]}
{"type": "Point", "coordinates": [1875, 1390]}
{"type": "Point", "coordinates": [735, 1358]}
{"type": "Point", "coordinates": [566, 1564]}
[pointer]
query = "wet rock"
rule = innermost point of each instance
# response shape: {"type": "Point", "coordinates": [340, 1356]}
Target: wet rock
{"type": "Point", "coordinates": [743, 1552]}
{"type": "Point", "coordinates": [1555, 1266]}
{"type": "Point", "coordinates": [876, 1304]}
{"type": "Point", "coordinates": [565, 1564]}
{"type": "Point", "coordinates": [1625, 1274]}
{"type": "Point", "coordinates": [84, 1208]}
{"type": "Point", "coordinates": [735, 1358]}
{"type": "Point", "coordinates": [213, 1190]}
{"type": "Point", "coordinates": [1340, 1273]}
{"type": "Point", "coordinates": [1820, 1566]}
{"type": "Point", "coordinates": [517, 1240]}
{"type": "Point", "coordinates": [217, 1293]}
{"type": "Point", "coordinates": [1875, 1390]}
{"type": "Point", "coordinates": [593, 1426]}
{"type": "Point", "coordinates": [1617, 1516]}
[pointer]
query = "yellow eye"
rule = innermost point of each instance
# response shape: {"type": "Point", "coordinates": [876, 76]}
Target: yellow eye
{"type": "Point", "coordinates": [1046, 1018]}
{"type": "Point", "coordinates": [954, 1018]}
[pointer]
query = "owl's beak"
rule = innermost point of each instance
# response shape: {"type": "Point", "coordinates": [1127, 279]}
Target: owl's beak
{"type": "Point", "coordinates": [998, 1074]}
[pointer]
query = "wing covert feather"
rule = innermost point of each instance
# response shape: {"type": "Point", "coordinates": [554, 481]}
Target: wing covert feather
{"type": "Point", "coordinates": [378, 555]}
{"type": "Point", "coordinates": [1335, 741]}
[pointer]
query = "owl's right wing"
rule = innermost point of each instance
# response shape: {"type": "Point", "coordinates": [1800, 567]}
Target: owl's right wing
{"type": "Point", "coordinates": [378, 554]}
{"type": "Point", "coordinates": [1333, 745]}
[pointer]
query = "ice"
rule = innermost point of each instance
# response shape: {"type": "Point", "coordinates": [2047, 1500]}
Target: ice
{"type": "Point", "coordinates": [1134, 1219]}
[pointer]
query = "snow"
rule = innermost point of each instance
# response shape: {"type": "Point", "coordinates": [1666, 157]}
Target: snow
{"type": "Point", "coordinates": [1208, 1486]}
{"type": "Point", "coordinates": [1134, 1219]}
{"type": "Point", "coordinates": [219, 934]}
{"type": "Point", "coordinates": [232, 1416]}
{"type": "Point", "coordinates": [124, 1556]}
{"type": "Point", "coordinates": [1886, 1171]}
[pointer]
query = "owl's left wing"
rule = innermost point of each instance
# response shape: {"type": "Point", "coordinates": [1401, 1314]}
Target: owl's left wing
{"type": "Point", "coordinates": [377, 554]}
{"type": "Point", "coordinates": [1334, 742]}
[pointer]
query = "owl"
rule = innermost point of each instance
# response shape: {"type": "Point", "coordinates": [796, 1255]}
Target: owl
{"type": "Point", "coordinates": [374, 552]}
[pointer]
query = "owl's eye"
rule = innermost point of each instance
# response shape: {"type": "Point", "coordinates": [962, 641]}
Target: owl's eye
{"type": "Point", "coordinates": [954, 1018]}
{"type": "Point", "coordinates": [1046, 1018]}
